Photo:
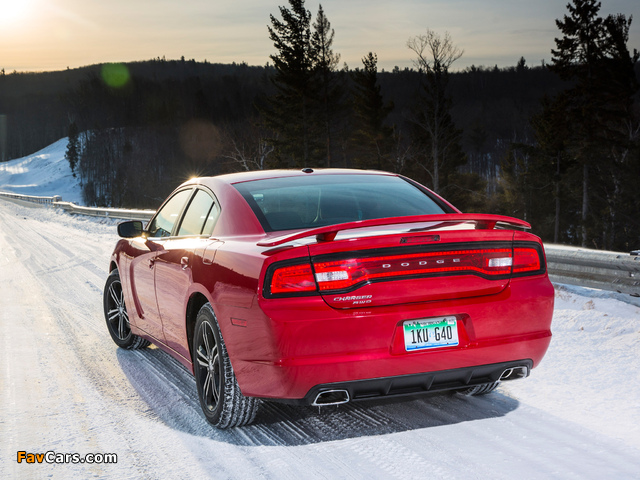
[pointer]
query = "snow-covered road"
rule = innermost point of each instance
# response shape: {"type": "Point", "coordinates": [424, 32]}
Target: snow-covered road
{"type": "Point", "coordinates": [65, 387]}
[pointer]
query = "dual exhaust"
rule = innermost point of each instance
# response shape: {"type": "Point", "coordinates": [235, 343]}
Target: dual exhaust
{"type": "Point", "coordinates": [340, 396]}
{"type": "Point", "coordinates": [514, 373]}
{"type": "Point", "coordinates": [331, 397]}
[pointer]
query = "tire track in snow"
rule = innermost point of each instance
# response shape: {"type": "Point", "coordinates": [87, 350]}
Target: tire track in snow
{"type": "Point", "coordinates": [143, 405]}
{"type": "Point", "coordinates": [74, 370]}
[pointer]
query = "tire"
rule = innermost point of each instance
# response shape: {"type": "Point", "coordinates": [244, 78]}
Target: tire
{"type": "Point", "coordinates": [222, 402]}
{"type": "Point", "coordinates": [483, 389]}
{"type": "Point", "coordinates": [116, 316]}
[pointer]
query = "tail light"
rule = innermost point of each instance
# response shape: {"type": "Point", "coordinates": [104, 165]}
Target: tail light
{"type": "Point", "coordinates": [526, 260]}
{"type": "Point", "coordinates": [293, 279]}
{"type": "Point", "coordinates": [342, 274]}
{"type": "Point", "coordinates": [348, 274]}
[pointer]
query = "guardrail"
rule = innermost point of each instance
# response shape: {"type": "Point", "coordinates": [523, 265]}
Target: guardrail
{"type": "Point", "coordinates": [121, 213]}
{"type": "Point", "coordinates": [613, 271]}
{"type": "Point", "coordinates": [56, 201]}
{"type": "Point", "coordinates": [31, 198]}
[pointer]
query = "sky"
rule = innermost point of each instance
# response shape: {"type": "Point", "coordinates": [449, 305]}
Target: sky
{"type": "Point", "coordinates": [45, 35]}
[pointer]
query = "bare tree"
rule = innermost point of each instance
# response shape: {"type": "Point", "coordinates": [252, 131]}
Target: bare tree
{"type": "Point", "coordinates": [250, 157]}
{"type": "Point", "coordinates": [403, 152]}
{"type": "Point", "coordinates": [440, 138]}
{"type": "Point", "coordinates": [435, 53]}
{"type": "Point", "coordinates": [249, 147]}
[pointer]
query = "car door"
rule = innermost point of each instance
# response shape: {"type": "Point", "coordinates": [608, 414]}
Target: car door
{"type": "Point", "coordinates": [173, 267]}
{"type": "Point", "coordinates": [143, 265]}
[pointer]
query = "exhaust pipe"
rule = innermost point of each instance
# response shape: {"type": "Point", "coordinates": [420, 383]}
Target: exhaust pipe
{"type": "Point", "coordinates": [514, 373]}
{"type": "Point", "coordinates": [331, 397]}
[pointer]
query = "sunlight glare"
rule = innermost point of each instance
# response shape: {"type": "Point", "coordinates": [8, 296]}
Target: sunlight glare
{"type": "Point", "coordinates": [12, 11]}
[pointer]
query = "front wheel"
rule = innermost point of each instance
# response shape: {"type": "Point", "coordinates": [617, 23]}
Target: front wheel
{"type": "Point", "coordinates": [115, 313]}
{"type": "Point", "coordinates": [220, 397]}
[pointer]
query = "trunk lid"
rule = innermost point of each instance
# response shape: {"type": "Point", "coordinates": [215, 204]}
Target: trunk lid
{"type": "Point", "coordinates": [396, 261]}
{"type": "Point", "coordinates": [412, 267]}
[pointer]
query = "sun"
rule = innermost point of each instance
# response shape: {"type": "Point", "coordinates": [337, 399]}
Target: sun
{"type": "Point", "coordinates": [12, 11]}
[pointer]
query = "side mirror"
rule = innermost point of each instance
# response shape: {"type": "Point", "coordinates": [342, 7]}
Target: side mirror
{"type": "Point", "coordinates": [130, 229]}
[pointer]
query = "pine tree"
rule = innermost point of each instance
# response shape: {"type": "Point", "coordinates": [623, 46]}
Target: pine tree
{"type": "Point", "coordinates": [553, 167]}
{"type": "Point", "coordinates": [372, 137]}
{"type": "Point", "coordinates": [73, 147]}
{"type": "Point", "coordinates": [580, 47]}
{"type": "Point", "coordinates": [289, 113]}
{"type": "Point", "coordinates": [621, 138]}
{"type": "Point", "coordinates": [576, 59]}
{"type": "Point", "coordinates": [329, 90]}
{"type": "Point", "coordinates": [592, 54]}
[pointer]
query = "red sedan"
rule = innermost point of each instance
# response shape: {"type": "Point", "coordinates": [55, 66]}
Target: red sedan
{"type": "Point", "coordinates": [328, 286]}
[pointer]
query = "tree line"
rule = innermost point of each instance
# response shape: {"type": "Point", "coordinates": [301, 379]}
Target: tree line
{"type": "Point", "coordinates": [556, 145]}
{"type": "Point", "coordinates": [579, 177]}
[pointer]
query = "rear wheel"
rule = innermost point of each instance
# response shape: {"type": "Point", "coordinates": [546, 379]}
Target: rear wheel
{"type": "Point", "coordinates": [115, 313]}
{"type": "Point", "coordinates": [220, 397]}
{"type": "Point", "coordinates": [483, 389]}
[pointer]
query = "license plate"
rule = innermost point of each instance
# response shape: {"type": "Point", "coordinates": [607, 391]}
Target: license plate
{"type": "Point", "coordinates": [430, 333]}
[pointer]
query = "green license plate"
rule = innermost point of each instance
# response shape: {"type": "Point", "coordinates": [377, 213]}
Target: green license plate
{"type": "Point", "coordinates": [430, 333]}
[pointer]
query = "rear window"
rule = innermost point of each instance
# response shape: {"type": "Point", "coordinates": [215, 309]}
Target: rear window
{"type": "Point", "coordinates": [314, 201]}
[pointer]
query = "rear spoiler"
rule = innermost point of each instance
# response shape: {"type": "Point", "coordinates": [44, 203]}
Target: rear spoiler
{"type": "Point", "coordinates": [329, 232]}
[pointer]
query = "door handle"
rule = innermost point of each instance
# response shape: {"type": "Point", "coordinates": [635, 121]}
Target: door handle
{"type": "Point", "coordinates": [184, 261]}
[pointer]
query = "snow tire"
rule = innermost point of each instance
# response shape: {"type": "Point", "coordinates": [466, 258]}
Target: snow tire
{"type": "Point", "coordinates": [221, 400]}
{"type": "Point", "coordinates": [116, 316]}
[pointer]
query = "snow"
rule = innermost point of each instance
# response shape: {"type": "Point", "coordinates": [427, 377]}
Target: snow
{"type": "Point", "coordinates": [65, 387]}
{"type": "Point", "coordinates": [45, 173]}
{"type": "Point", "coordinates": [590, 374]}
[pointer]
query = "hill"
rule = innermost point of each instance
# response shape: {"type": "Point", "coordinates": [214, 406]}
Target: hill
{"type": "Point", "coordinates": [45, 173]}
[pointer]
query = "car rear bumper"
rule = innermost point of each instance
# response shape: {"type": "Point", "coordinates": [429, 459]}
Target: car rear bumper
{"type": "Point", "coordinates": [315, 347]}
{"type": "Point", "coordinates": [302, 379]}
{"type": "Point", "coordinates": [404, 385]}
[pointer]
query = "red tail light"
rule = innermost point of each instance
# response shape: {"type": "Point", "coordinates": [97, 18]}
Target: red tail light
{"type": "Point", "coordinates": [526, 260]}
{"type": "Point", "coordinates": [341, 274]}
{"type": "Point", "coordinates": [293, 279]}
{"type": "Point", "coordinates": [334, 275]}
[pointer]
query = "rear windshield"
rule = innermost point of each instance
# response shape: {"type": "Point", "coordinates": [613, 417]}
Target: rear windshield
{"type": "Point", "coordinates": [314, 201]}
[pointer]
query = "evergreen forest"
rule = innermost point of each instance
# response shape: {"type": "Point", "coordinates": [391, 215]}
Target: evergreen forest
{"type": "Point", "coordinates": [557, 145]}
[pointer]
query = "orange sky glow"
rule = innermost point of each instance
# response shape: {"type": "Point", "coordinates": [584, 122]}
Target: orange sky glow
{"type": "Point", "coordinates": [43, 35]}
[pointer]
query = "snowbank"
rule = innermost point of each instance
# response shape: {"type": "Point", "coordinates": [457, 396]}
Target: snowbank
{"type": "Point", "coordinates": [44, 173]}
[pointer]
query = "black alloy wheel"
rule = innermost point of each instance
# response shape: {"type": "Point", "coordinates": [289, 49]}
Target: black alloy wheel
{"type": "Point", "coordinates": [221, 400]}
{"type": "Point", "coordinates": [116, 316]}
{"type": "Point", "coordinates": [209, 368]}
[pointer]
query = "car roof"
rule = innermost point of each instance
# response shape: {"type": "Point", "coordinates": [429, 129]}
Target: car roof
{"type": "Point", "coordinates": [238, 219]}
{"type": "Point", "coordinates": [232, 178]}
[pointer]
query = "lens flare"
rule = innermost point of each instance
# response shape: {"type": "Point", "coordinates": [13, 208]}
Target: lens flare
{"type": "Point", "coordinates": [116, 75]}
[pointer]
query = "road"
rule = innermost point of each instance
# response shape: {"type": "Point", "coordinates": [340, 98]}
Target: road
{"type": "Point", "coordinates": [66, 388]}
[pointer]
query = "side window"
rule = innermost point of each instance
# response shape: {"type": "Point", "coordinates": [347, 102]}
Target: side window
{"type": "Point", "coordinates": [163, 222]}
{"type": "Point", "coordinates": [211, 220]}
{"type": "Point", "coordinates": [200, 215]}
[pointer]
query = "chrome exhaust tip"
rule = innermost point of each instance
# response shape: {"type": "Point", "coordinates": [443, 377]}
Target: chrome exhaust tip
{"type": "Point", "coordinates": [331, 397]}
{"type": "Point", "coordinates": [514, 373]}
